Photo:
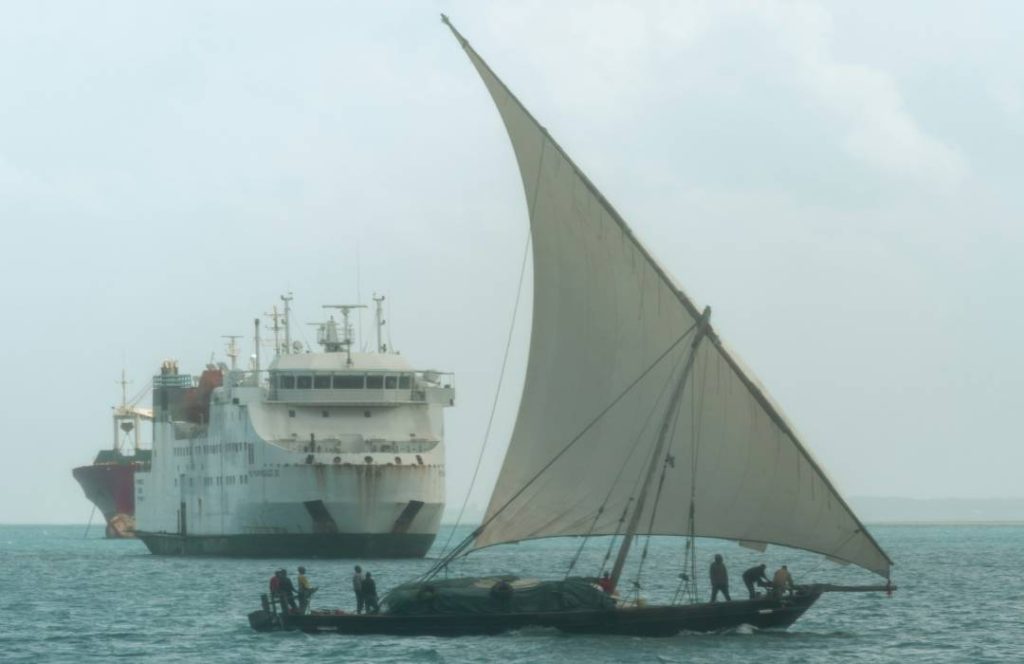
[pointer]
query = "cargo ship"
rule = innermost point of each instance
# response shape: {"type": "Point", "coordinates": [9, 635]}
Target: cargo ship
{"type": "Point", "coordinates": [326, 453]}
{"type": "Point", "coordinates": [109, 481]}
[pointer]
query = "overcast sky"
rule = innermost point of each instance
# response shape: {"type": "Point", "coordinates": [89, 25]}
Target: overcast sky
{"type": "Point", "coordinates": [841, 182]}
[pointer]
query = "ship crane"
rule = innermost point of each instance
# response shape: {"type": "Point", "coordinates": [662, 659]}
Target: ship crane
{"type": "Point", "coordinates": [127, 416]}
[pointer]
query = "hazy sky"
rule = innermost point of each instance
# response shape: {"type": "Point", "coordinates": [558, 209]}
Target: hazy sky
{"type": "Point", "coordinates": [840, 181]}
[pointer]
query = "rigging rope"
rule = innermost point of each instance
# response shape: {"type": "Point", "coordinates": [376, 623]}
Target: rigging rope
{"type": "Point", "coordinates": [508, 345]}
{"type": "Point", "coordinates": [657, 498]}
{"type": "Point", "coordinates": [89, 525]}
{"type": "Point", "coordinates": [497, 394]}
{"type": "Point", "coordinates": [611, 489]}
{"type": "Point", "coordinates": [462, 546]}
{"type": "Point", "coordinates": [641, 472]}
{"type": "Point", "coordinates": [696, 424]}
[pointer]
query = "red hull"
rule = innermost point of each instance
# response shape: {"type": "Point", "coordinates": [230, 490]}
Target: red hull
{"type": "Point", "coordinates": [111, 488]}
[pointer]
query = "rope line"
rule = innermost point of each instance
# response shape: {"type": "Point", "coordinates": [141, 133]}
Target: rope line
{"type": "Point", "coordinates": [497, 394]}
{"type": "Point", "coordinates": [508, 346]}
{"type": "Point", "coordinates": [476, 533]}
{"type": "Point", "coordinates": [614, 484]}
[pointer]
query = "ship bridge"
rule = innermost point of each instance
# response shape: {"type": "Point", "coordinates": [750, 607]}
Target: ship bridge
{"type": "Point", "coordinates": [356, 379]}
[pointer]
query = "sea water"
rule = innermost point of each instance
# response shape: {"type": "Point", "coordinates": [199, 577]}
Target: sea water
{"type": "Point", "coordinates": [72, 597]}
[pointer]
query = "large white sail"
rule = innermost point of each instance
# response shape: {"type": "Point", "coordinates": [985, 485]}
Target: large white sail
{"type": "Point", "coordinates": [604, 312]}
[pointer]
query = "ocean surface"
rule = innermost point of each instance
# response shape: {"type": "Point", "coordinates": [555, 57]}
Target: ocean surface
{"type": "Point", "coordinates": [71, 598]}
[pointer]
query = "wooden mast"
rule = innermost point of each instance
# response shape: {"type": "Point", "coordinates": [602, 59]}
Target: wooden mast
{"type": "Point", "coordinates": [657, 456]}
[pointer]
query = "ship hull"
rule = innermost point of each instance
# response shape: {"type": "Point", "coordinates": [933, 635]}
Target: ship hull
{"type": "Point", "coordinates": [333, 545]}
{"type": "Point", "coordinates": [111, 488]}
{"type": "Point", "coordinates": [651, 621]}
{"type": "Point", "coordinates": [346, 473]}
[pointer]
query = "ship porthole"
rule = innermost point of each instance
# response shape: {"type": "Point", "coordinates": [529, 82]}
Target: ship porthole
{"type": "Point", "coordinates": [398, 461]}
{"type": "Point", "coordinates": [366, 413]}
{"type": "Point", "coordinates": [419, 459]}
{"type": "Point", "coordinates": [368, 459]}
{"type": "Point", "coordinates": [337, 460]}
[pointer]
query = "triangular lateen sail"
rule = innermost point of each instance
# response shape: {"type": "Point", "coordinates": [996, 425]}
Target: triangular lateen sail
{"type": "Point", "coordinates": [603, 312]}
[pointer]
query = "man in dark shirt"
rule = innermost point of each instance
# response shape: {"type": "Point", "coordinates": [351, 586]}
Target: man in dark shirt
{"type": "Point", "coordinates": [755, 576]}
{"type": "Point", "coordinates": [287, 591]}
{"type": "Point", "coordinates": [357, 588]}
{"type": "Point", "coordinates": [719, 579]}
{"type": "Point", "coordinates": [370, 594]}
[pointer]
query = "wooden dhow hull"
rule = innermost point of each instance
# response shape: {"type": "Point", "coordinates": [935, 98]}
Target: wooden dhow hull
{"type": "Point", "coordinates": [652, 621]}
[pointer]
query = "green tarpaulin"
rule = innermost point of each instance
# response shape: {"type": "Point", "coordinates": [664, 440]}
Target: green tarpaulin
{"type": "Point", "coordinates": [505, 594]}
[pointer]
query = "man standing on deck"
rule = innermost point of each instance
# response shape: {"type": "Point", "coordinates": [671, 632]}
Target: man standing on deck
{"type": "Point", "coordinates": [719, 579]}
{"type": "Point", "coordinates": [605, 583]}
{"type": "Point", "coordinates": [370, 594]}
{"type": "Point", "coordinates": [782, 581]}
{"type": "Point", "coordinates": [306, 590]}
{"type": "Point", "coordinates": [275, 587]}
{"type": "Point", "coordinates": [357, 586]}
{"type": "Point", "coordinates": [287, 590]}
{"type": "Point", "coordinates": [755, 576]}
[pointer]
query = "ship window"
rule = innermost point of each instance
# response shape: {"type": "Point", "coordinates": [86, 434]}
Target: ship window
{"type": "Point", "coordinates": [291, 413]}
{"type": "Point", "coordinates": [348, 382]}
{"type": "Point", "coordinates": [286, 382]}
{"type": "Point", "coordinates": [390, 382]}
{"type": "Point", "coordinates": [325, 413]}
{"type": "Point", "coordinates": [304, 382]}
{"type": "Point", "coordinates": [374, 382]}
{"type": "Point", "coordinates": [322, 382]}
{"type": "Point", "coordinates": [404, 381]}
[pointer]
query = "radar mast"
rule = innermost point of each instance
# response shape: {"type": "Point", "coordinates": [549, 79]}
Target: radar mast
{"type": "Point", "coordinates": [379, 302]}
{"type": "Point", "coordinates": [328, 333]}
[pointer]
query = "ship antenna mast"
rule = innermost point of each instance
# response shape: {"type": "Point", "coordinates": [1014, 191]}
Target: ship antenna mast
{"type": "Point", "coordinates": [346, 326]}
{"type": "Point", "coordinates": [379, 301]}
{"type": "Point", "coordinates": [276, 327]}
{"type": "Point", "coordinates": [124, 389]}
{"type": "Point", "coordinates": [287, 299]}
{"type": "Point", "coordinates": [120, 411]}
{"type": "Point", "coordinates": [232, 348]}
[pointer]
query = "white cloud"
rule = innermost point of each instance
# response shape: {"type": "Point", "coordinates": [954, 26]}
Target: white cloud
{"type": "Point", "coordinates": [634, 49]}
{"type": "Point", "coordinates": [879, 129]}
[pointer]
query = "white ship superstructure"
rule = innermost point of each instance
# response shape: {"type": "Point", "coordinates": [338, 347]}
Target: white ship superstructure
{"type": "Point", "coordinates": [333, 454]}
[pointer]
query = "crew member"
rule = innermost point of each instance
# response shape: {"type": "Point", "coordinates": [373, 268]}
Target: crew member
{"type": "Point", "coordinates": [357, 588]}
{"type": "Point", "coordinates": [755, 576]}
{"type": "Point", "coordinates": [605, 582]}
{"type": "Point", "coordinates": [287, 591]}
{"type": "Point", "coordinates": [782, 581]}
{"type": "Point", "coordinates": [369, 589]}
{"type": "Point", "coordinates": [719, 579]}
{"type": "Point", "coordinates": [275, 587]}
{"type": "Point", "coordinates": [306, 590]}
